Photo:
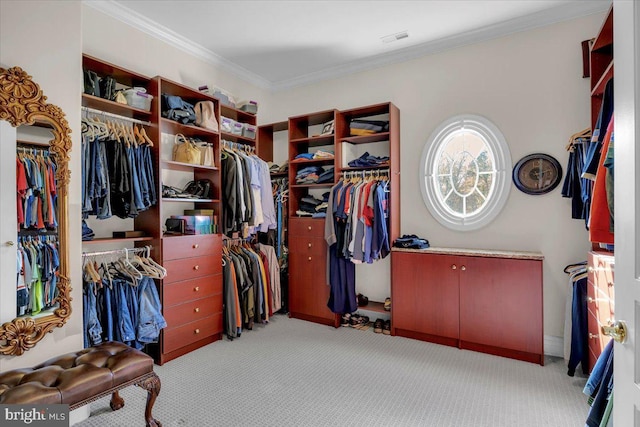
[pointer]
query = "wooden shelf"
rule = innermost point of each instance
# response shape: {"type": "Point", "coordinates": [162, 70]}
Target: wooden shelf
{"type": "Point", "coordinates": [188, 94]}
{"type": "Point", "coordinates": [114, 107]}
{"type": "Point", "coordinates": [175, 199]}
{"type": "Point", "coordinates": [279, 174]}
{"type": "Point", "coordinates": [312, 161]}
{"type": "Point", "coordinates": [324, 184]}
{"type": "Point", "coordinates": [180, 166]}
{"type": "Point", "coordinates": [604, 39]}
{"type": "Point", "coordinates": [122, 75]}
{"type": "Point", "coordinates": [173, 127]}
{"type": "Point", "coordinates": [364, 168]}
{"type": "Point", "coordinates": [108, 240]}
{"type": "Point", "coordinates": [375, 306]}
{"type": "Point", "coordinates": [598, 89]}
{"type": "Point", "coordinates": [366, 139]}
{"type": "Point", "coordinates": [237, 138]}
{"type": "Point", "coordinates": [236, 114]}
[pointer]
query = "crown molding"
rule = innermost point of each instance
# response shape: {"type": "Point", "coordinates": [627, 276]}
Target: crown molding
{"type": "Point", "coordinates": [140, 22]}
{"type": "Point", "coordinates": [543, 18]}
{"type": "Point", "coordinates": [564, 12]}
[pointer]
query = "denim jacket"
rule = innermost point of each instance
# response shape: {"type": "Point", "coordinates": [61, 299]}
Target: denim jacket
{"type": "Point", "coordinates": [150, 320]}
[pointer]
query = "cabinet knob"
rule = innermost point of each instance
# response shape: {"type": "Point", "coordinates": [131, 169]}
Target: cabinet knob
{"type": "Point", "coordinates": [309, 228]}
{"type": "Point", "coordinates": [590, 300]}
{"type": "Point", "coordinates": [195, 246]}
{"type": "Point", "coordinates": [10, 243]}
{"type": "Point", "coordinates": [197, 331]}
{"type": "Point", "coordinates": [590, 269]}
{"type": "Point", "coordinates": [463, 268]}
{"type": "Point", "coordinates": [309, 244]}
{"type": "Point", "coordinates": [592, 336]}
{"type": "Point", "coordinates": [196, 289]}
{"type": "Point", "coordinates": [309, 259]}
{"type": "Point", "coordinates": [453, 267]}
{"type": "Point", "coordinates": [196, 267]}
{"type": "Point", "coordinates": [197, 310]}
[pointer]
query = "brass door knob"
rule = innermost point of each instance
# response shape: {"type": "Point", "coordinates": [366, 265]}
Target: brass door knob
{"type": "Point", "coordinates": [616, 330]}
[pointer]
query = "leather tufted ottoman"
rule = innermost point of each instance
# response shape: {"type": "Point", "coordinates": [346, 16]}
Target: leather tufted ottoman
{"type": "Point", "coordinates": [81, 377]}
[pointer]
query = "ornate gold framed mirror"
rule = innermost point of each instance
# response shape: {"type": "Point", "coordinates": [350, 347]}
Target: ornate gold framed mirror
{"type": "Point", "coordinates": [23, 103]}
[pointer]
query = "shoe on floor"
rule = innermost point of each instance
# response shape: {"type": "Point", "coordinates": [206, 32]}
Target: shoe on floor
{"type": "Point", "coordinates": [354, 321]}
{"type": "Point", "coordinates": [386, 329]}
{"type": "Point", "coordinates": [345, 319]}
{"type": "Point", "coordinates": [378, 325]}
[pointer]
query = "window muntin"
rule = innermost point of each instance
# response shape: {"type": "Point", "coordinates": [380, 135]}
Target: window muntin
{"type": "Point", "coordinates": [466, 165]}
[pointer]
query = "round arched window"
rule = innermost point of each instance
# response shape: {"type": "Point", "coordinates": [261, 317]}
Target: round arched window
{"type": "Point", "coordinates": [466, 169]}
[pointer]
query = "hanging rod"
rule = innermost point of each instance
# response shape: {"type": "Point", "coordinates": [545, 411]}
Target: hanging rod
{"type": "Point", "coordinates": [115, 116]}
{"type": "Point", "coordinates": [115, 251]}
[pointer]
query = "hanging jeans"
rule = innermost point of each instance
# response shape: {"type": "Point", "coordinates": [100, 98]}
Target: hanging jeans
{"type": "Point", "coordinates": [150, 320]}
{"type": "Point", "coordinates": [579, 337]}
{"type": "Point", "coordinates": [92, 327]}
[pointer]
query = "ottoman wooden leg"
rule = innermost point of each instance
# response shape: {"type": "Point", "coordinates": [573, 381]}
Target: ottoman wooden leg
{"type": "Point", "coordinates": [152, 385]}
{"type": "Point", "coordinates": [117, 402]}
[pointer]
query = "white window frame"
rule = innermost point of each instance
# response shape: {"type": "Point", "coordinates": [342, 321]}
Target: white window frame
{"type": "Point", "coordinates": [502, 179]}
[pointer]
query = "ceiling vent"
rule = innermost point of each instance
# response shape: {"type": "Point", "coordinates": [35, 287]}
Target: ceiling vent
{"type": "Point", "coordinates": [395, 37]}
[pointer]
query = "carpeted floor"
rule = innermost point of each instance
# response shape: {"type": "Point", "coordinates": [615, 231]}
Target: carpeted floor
{"type": "Point", "coordinates": [296, 373]}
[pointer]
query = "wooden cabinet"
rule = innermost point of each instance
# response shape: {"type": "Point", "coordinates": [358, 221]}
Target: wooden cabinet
{"type": "Point", "coordinates": [600, 301]}
{"type": "Point", "coordinates": [426, 297]}
{"type": "Point", "coordinates": [308, 288]}
{"type": "Point", "coordinates": [191, 294]}
{"type": "Point", "coordinates": [488, 301]}
{"type": "Point", "coordinates": [601, 65]}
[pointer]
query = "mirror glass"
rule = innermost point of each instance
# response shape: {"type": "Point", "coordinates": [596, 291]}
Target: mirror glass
{"type": "Point", "coordinates": [41, 300]}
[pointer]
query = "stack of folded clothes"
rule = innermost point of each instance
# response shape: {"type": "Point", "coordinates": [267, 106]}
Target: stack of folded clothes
{"type": "Point", "coordinates": [411, 241]}
{"type": "Point", "coordinates": [323, 154]}
{"type": "Point", "coordinates": [314, 175]}
{"type": "Point", "coordinates": [312, 207]}
{"type": "Point", "coordinates": [359, 127]}
{"type": "Point", "coordinates": [305, 156]}
{"type": "Point", "coordinates": [367, 160]}
{"type": "Point", "coordinates": [274, 168]}
{"type": "Point", "coordinates": [87, 233]}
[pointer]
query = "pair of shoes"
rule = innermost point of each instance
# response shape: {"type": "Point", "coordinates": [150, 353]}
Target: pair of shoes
{"type": "Point", "coordinates": [346, 318]}
{"type": "Point", "coordinates": [387, 304]}
{"type": "Point", "coordinates": [378, 325]}
{"type": "Point", "coordinates": [386, 328]}
{"type": "Point", "coordinates": [199, 189]}
{"type": "Point", "coordinates": [362, 300]}
{"type": "Point", "coordinates": [358, 321]}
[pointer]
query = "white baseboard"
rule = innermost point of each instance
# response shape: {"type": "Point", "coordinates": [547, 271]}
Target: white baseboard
{"type": "Point", "coordinates": [553, 346]}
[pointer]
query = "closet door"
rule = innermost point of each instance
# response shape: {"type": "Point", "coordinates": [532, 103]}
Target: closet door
{"type": "Point", "coordinates": [425, 296]}
{"type": "Point", "coordinates": [501, 305]}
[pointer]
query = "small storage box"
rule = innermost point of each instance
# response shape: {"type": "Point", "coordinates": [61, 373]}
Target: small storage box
{"type": "Point", "coordinates": [237, 128]}
{"type": "Point", "coordinates": [137, 97]}
{"type": "Point", "coordinates": [226, 124]}
{"type": "Point", "coordinates": [248, 131]}
{"type": "Point", "coordinates": [250, 107]}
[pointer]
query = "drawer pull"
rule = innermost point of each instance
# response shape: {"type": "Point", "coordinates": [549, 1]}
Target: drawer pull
{"type": "Point", "coordinates": [196, 289]}
{"type": "Point", "coordinates": [592, 336]}
{"type": "Point", "coordinates": [197, 331]}
{"type": "Point", "coordinates": [590, 300]}
{"type": "Point", "coordinates": [309, 228]}
{"type": "Point", "coordinates": [197, 310]}
{"type": "Point", "coordinates": [309, 244]}
{"type": "Point", "coordinates": [463, 268]}
{"type": "Point", "coordinates": [196, 246]}
{"type": "Point", "coordinates": [454, 267]}
{"type": "Point", "coordinates": [196, 267]}
{"type": "Point", "coordinates": [590, 269]}
{"type": "Point", "coordinates": [309, 259]}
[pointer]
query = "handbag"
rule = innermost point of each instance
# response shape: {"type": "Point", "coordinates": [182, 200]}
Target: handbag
{"type": "Point", "coordinates": [108, 88]}
{"type": "Point", "coordinates": [175, 108]}
{"type": "Point", "coordinates": [205, 116]}
{"type": "Point", "coordinates": [91, 83]}
{"type": "Point", "coordinates": [185, 151]}
{"type": "Point", "coordinates": [206, 153]}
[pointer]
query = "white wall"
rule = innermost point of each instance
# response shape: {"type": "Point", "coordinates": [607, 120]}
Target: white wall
{"type": "Point", "coordinates": [529, 84]}
{"type": "Point", "coordinates": [44, 38]}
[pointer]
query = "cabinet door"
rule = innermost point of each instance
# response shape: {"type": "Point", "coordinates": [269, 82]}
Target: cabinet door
{"type": "Point", "coordinates": [425, 294]}
{"type": "Point", "coordinates": [308, 289]}
{"type": "Point", "coordinates": [501, 303]}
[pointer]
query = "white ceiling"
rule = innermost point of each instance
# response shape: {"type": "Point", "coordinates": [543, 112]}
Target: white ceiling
{"type": "Point", "coordinates": [279, 44]}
